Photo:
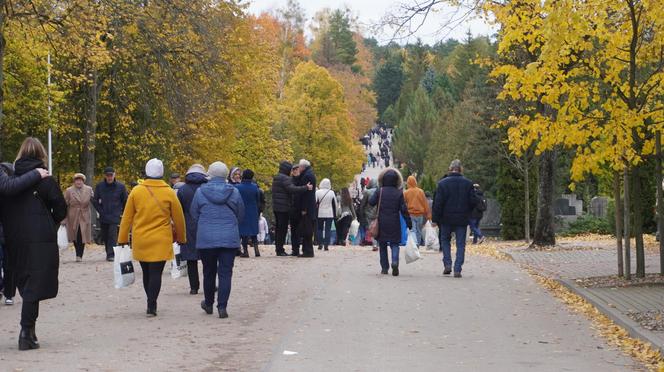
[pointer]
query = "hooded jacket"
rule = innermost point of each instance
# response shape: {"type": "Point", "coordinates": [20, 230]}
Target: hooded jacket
{"type": "Point", "coordinates": [392, 204]}
{"type": "Point", "coordinates": [417, 202]}
{"type": "Point", "coordinates": [326, 200]}
{"type": "Point", "coordinates": [186, 195]}
{"type": "Point", "coordinates": [217, 209]}
{"type": "Point", "coordinates": [283, 189]}
{"type": "Point", "coordinates": [307, 202]}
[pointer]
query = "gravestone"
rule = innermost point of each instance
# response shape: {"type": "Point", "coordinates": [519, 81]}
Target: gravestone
{"type": "Point", "coordinates": [490, 223]}
{"type": "Point", "coordinates": [599, 206]}
{"type": "Point", "coordinates": [561, 207]}
{"type": "Point", "coordinates": [574, 202]}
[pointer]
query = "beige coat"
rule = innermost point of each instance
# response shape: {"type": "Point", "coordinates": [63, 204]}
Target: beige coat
{"type": "Point", "coordinates": [78, 212]}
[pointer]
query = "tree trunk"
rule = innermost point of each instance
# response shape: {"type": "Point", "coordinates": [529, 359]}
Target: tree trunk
{"type": "Point", "coordinates": [526, 225]}
{"type": "Point", "coordinates": [626, 215]}
{"type": "Point", "coordinates": [619, 221]}
{"type": "Point", "coordinates": [637, 207]}
{"type": "Point", "coordinates": [660, 203]}
{"type": "Point", "coordinates": [3, 45]}
{"type": "Point", "coordinates": [544, 224]}
{"type": "Point", "coordinates": [89, 140]}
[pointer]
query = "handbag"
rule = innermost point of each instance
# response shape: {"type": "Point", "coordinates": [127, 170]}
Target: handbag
{"type": "Point", "coordinates": [173, 231]}
{"type": "Point", "coordinates": [373, 227]}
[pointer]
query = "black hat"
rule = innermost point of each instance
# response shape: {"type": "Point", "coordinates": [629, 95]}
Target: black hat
{"type": "Point", "coordinates": [109, 170]}
{"type": "Point", "coordinates": [175, 175]}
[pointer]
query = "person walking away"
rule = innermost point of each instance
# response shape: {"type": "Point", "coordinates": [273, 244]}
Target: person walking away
{"type": "Point", "coordinates": [249, 223]}
{"type": "Point", "coordinates": [193, 179]}
{"type": "Point", "coordinates": [217, 209]}
{"type": "Point", "coordinates": [476, 215]}
{"type": "Point", "coordinates": [79, 219]}
{"type": "Point", "coordinates": [30, 220]}
{"type": "Point", "coordinates": [418, 207]}
{"type": "Point", "coordinates": [390, 207]}
{"type": "Point", "coordinates": [154, 216]}
{"type": "Point", "coordinates": [308, 210]}
{"type": "Point", "coordinates": [326, 205]}
{"type": "Point", "coordinates": [284, 191]}
{"type": "Point", "coordinates": [369, 212]}
{"type": "Point", "coordinates": [110, 197]}
{"type": "Point", "coordinates": [452, 204]}
{"type": "Point", "coordinates": [346, 216]}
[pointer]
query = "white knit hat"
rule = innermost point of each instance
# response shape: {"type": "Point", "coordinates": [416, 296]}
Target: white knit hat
{"type": "Point", "coordinates": [196, 168]}
{"type": "Point", "coordinates": [218, 169]}
{"type": "Point", "coordinates": [154, 168]}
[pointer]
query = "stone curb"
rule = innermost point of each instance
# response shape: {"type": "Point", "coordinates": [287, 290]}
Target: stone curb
{"type": "Point", "coordinates": [633, 328]}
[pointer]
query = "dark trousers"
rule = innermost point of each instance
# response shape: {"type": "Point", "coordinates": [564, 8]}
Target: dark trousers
{"type": "Point", "coordinates": [152, 279]}
{"type": "Point", "coordinates": [192, 274]}
{"type": "Point", "coordinates": [29, 313]}
{"type": "Point", "coordinates": [281, 230]}
{"type": "Point", "coordinates": [446, 245]}
{"type": "Point", "coordinates": [217, 263]}
{"type": "Point", "coordinates": [2, 256]}
{"type": "Point", "coordinates": [343, 225]}
{"type": "Point", "coordinates": [8, 285]}
{"type": "Point", "coordinates": [306, 232]}
{"type": "Point", "coordinates": [324, 228]}
{"type": "Point", "coordinates": [246, 239]}
{"type": "Point", "coordinates": [384, 260]}
{"type": "Point", "coordinates": [109, 233]}
{"type": "Point", "coordinates": [78, 243]}
{"type": "Point", "coordinates": [295, 233]}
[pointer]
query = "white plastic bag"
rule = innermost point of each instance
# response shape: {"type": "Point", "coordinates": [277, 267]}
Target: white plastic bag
{"type": "Point", "coordinates": [431, 238]}
{"type": "Point", "coordinates": [123, 268]}
{"type": "Point", "coordinates": [354, 228]}
{"type": "Point", "coordinates": [63, 240]}
{"type": "Point", "coordinates": [178, 265]}
{"type": "Point", "coordinates": [411, 252]}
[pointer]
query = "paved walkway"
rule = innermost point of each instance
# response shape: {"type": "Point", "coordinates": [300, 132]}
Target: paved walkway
{"type": "Point", "coordinates": [569, 266]}
{"type": "Point", "coordinates": [334, 311]}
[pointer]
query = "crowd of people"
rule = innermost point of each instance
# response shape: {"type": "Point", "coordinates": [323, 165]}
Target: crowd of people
{"type": "Point", "coordinates": [214, 215]}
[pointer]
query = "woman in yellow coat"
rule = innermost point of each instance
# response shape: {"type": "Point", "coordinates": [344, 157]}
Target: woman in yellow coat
{"type": "Point", "coordinates": [151, 207]}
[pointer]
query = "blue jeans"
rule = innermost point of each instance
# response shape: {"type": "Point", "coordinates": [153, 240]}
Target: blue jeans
{"type": "Point", "coordinates": [418, 223]}
{"type": "Point", "coordinates": [475, 228]}
{"type": "Point", "coordinates": [324, 226]}
{"type": "Point", "coordinates": [384, 263]}
{"type": "Point", "coordinates": [217, 262]}
{"type": "Point", "coordinates": [446, 245]}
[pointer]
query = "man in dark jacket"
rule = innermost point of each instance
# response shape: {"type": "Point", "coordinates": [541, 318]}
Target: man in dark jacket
{"type": "Point", "coordinates": [194, 178]}
{"type": "Point", "coordinates": [109, 201]}
{"type": "Point", "coordinates": [452, 204]}
{"type": "Point", "coordinates": [476, 215]}
{"type": "Point", "coordinates": [307, 209]}
{"type": "Point", "coordinates": [283, 191]}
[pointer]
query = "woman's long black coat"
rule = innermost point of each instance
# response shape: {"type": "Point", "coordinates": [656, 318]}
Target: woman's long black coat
{"type": "Point", "coordinates": [31, 220]}
{"type": "Point", "coordinates": [392, 205]}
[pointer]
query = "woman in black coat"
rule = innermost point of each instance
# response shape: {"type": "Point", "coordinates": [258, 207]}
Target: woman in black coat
{"type": "Point", "coordinates": [31, 220]}
{"type": "Point", "coordinates": [391, 203]}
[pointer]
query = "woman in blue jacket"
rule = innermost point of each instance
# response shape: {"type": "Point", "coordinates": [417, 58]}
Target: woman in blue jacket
{"type": "Point", "coordinates": [251, 196]}
{"type": "Point", "coordinates": [217, 209]}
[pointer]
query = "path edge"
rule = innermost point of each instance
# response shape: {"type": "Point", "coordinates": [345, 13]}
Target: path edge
{"type": "Point", "coordinates": [633, 328]}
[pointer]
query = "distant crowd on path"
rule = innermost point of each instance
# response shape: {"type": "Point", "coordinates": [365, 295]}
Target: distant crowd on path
{"type": "Point", "coordinates": [213, 215]}
{"type": "Point", "coordinates": [380, 158]}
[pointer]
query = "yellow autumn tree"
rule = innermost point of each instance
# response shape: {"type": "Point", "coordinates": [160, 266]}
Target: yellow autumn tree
{"type": "Point", "coordinates": [317, 120]}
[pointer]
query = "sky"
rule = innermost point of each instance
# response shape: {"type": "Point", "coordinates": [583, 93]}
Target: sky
{"type": "Point", "coordinates": [369, 12]}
